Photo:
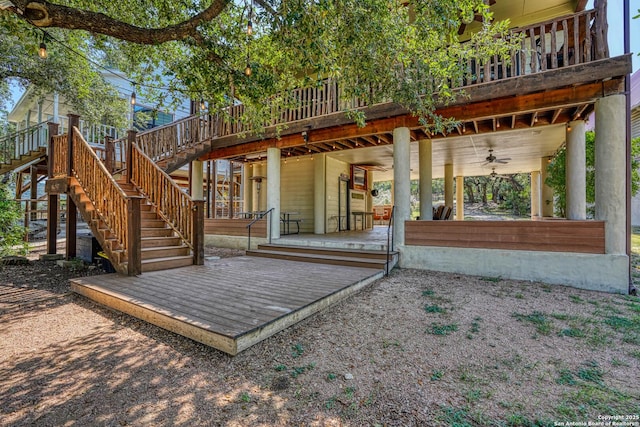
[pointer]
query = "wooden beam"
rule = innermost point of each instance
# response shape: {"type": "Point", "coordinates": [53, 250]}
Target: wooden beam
{"type": "Point", "coordinates": [556, 113]}
{"type": "Point", "coordinates": [513, 121]}
{"type": "Point", "coordinates": [534, 118]}
{"type": "Point", "coordinates": [475, 125]}
{"type": "Point", "coordinates": [579, 111]}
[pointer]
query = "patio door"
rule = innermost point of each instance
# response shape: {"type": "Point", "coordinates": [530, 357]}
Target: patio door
{"type": "Point", "coordinates": [343, 204]}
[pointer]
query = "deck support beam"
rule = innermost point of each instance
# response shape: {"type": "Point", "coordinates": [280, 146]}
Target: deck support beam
{"type": "Point", "coordinates": [448, 185]}
{"type": "Point", "coordinates": [610, 156]}
{"type": "Point", "coordinates": [319, 193]}
{"type": "Point", "coordinates": [273, 190]}
{"type": "Point", "coordinates": [535, 194]}
{"type": "Point", "coordinates": [425, 157]}
{"type": "Point", "coordinates": [459, 198]}
{"type": "Point", "coordinates": [401, 181]}
{"type": "Point", "coordinates": [576, 172]}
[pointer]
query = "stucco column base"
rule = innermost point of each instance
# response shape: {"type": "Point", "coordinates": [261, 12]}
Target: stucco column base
{"type": "Point", "coordinates": [425, 157]}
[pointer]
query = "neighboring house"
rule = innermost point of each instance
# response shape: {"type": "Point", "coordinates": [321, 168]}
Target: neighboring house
{"type": "Point", "coordinates": [320, 169]}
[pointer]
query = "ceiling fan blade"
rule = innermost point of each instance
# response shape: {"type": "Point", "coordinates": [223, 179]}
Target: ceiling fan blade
{"type": "Point", "coordinates": [502, 161]}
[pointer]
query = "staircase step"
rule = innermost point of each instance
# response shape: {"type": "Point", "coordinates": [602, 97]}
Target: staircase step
{"type": "Point", "coordinates": [355, 253]}
{"type": "Point", "coordinates": [152, 223]}
{"type": "Point", "coordinates": [154, 242]}
{"type": "Point", "coordinates": [166, 263]}
{"type": "Point", "coordinates": [321, 259]}
{"type": "Point", "coordinates": [148, 214]}
{"type": "Point", "coordinates": [156, 232]}
{"type": "Point", "coordinates": [164, 252]}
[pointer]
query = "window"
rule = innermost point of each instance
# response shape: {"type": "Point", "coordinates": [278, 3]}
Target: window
{"type": "Point", "coordinates": [147, 118]}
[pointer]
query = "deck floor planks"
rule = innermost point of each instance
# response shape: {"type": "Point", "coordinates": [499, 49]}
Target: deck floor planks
{"type": "Point", "coordinates": [233, 297]}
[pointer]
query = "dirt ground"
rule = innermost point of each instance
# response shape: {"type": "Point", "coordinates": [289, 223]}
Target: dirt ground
{"type": "Point", "coordinates": [417, 348]}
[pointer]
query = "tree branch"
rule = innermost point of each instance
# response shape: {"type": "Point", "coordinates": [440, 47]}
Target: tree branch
{"type": "Point", "coordinates": [42, 13]}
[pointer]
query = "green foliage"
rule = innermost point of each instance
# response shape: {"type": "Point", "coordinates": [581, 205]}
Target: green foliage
{"type": "Point", "coordinates": [373, 47]}
{"type": "Point", "coordinates": [440, 329]}
{"type": "Point", "coordinates": [11, 233]}
{"type": "Point", "coordinates": [543, 325]}
{"type": "Point", "coordinates": [556, 174]}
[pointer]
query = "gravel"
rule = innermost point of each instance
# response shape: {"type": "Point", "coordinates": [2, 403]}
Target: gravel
{"type": "Point", "coordinates": [416, 348]}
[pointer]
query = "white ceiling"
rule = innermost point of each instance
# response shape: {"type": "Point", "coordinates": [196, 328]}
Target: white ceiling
{"type": "Point", "coordinates": [468, 153]}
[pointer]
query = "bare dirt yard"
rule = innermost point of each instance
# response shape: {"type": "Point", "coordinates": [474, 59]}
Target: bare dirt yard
{"type": "Point", "coordinates": [417, 348]}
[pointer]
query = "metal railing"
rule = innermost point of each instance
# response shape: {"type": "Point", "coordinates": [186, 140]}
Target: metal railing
{"type": "Point", "coordinates": [261, 216]}
{"type": "Point", "coordinates": [389, 240]}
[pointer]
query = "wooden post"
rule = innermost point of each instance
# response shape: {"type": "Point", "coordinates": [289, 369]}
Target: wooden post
{"type": "Point", "coordinates": [198, 232]}
{"type": "Point", "coordinates": [109, 154]}
{"type": "Point", "coordinates": [131, 139]}
{"type": "Point", "coordinates": [52, 205]}
{"type": "Point", "coordinates": [70, 252]}
{"type": "Point", "coordinates": [33, 193]}
{"type": "Point", "coordinates": [208, 197]}
{"type": "Point", "coordinates": [134, 231]}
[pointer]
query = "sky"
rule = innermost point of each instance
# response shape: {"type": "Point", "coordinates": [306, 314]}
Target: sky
{"type": "Point", "coordinates": [616, 35]}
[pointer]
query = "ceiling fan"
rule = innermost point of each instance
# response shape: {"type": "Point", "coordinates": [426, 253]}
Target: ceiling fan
{"type": "Point", "coordinates": [490, 159]}
{"type": "Point", "coordinates": [477, 17]}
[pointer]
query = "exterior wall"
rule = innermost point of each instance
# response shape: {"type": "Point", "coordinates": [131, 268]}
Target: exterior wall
{"type": "Point", "coordinates": [635, 133]}
{"type": "Point", "coordinates": [297, 191]}
{"type": "Point", "coordinates": [608, 273]}
{"type": "Point", "coordinates": [333, 170]}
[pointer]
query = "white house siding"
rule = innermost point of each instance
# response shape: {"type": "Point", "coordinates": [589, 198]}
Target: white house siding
{"type": "Point", "coordinates": [333, 170]}
{"type": "Point", "coordinates": [296, 191]}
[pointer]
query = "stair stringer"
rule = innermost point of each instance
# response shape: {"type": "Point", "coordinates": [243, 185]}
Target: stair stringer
{"type": "Point", "coordinates": [99, 228]}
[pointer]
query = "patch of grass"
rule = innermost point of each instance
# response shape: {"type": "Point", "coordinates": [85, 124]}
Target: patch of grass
{"type": "Point", "coordinates": [280, 368]}
{"type": "Point", "coordinates": [436, 375]}
{"type": "Point", "coordinates": [440, 329]}
{"type": "Point", "coordinates": [617, 362]}
{"type": "Point", "coordinates": [349, 392]}
{"type": "Point", "coordinates": [299, 370]}
{"type": "Point", "coordinates": [435, 308]}
{"type": "Point", "coordinates": [520, 420]}
{"type": "Point", "coordinates": [543, 325]}
{"type": "Point", "coordinates": [519, 296]}
{"type": "Point", "coordinates": [456, 417]}
{"type": "Point", "coordinates": [623, 323]}
{"type": "Point", "coordinates": [566, 377]}
{"type": "Point", "coordinates": [592, 374]}
{"type": "Point", "coordinates": [572, 332]}
{"type": "Point", "coordinates": [330, 403]}
{"type": "Point", "coordinates": [387, 344]}
{"type": "Point", "coordinates": [331, 376]}
{"type": "Point", "coordinates": [473, 395]}
{"type": "Point", "coordinates": [427, 293]}
{"type": "Point", "coordinates": [297, 350]}
{"type": "Point", "coordinates": [576, 299]}
{"type": "Point", "coordinates": [245, 397]}
{"type": "Point", "coordinates": [491, 279]}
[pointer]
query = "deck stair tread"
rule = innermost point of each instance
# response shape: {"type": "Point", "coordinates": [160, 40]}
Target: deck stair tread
{"type": "Point", "coordinates": [358, 253]}
{"type": "Point", "coordinates": [320, 258]}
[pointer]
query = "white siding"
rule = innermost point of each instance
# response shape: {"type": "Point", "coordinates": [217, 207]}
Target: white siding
{"type": "Point", "coordinates": [296, 191]}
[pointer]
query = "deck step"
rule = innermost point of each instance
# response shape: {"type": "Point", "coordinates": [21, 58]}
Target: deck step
{"type": "Point", "coordinates": [163, 252]}
{"type": "Point", "coordinates": [354, 253]}
{"type": "Point", "coordinates": [166, 263]}
{"type": "Point", "coordinates": [347, 260]}
{"type": "Point", "coordinates": [154, 242]}
{"type": "Point", "coordinates": [156, 232]}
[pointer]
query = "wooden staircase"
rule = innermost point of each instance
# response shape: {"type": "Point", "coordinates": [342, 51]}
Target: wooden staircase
{"type": "Point", "coordinates": [15, 163]}
{"type": "Point", "coordinates": [161, 248]}
{"type": "Point", "coordinates": [333, 256]}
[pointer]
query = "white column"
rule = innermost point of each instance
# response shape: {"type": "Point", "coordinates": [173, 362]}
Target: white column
{"type": "Point", "coordinates": [273, 189]}
{"type": "Point", "coordinates": [259, 187]}
{"type": "Point", "coordinates": [576, 172]}
{"type": "Point", "coordinates": [196, 180]}
{"type": "Point", "coordinates": [425, 157]}
{"type": "Point", "coordinates": [610, 155]}
{"type": "Point", "coordinates": [319, 193]}
{"type": "Point", "coordinates": [547, 192]}
{"type": "Point", "coordinates": [535, 194]}
{"type": "Point", "coordinates": [448, 185]}
{"type": "Point", "coordinates": [402, 182]}
{"type": "Point", "coordinates": [459, 198]}
{"type": "Point", "coordinates": [56, 102]}
{"type": "Point", "coordinates": [247, 187]}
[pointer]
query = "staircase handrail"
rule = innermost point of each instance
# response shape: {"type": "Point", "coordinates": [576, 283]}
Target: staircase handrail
{"type": "Point", "coordinates": [108, 198]}
{"type": "Point", "coordinates": [21, 142]}
{"type": "Point", "coordinates": [258, 218]}
{"type": "Point", "coordinates": [389, 237]}
{"type": "Point", "coordinates": [174, 205]}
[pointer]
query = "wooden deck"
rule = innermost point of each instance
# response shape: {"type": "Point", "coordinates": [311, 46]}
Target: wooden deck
{"type": "Point", "coordinates": [231, 303]}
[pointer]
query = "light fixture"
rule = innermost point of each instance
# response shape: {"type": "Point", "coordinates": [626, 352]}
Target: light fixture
{"type": "Point", "coordinates": [247, 70]}
{"type": "Point", "coordinates": [133, 96]}
{"type": "Point", "coordinates": [497, 123]}
{"type": "Point", "coordinates": [305, 136]}
{"type": "Point", "coordinates": [203, 106]}
{"type": "Point", "coordinates": [249, 28]}
{"type": "Point", "coordinates": [42, 50]}
{"type": "Point", "coordinates": [568, 127]}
